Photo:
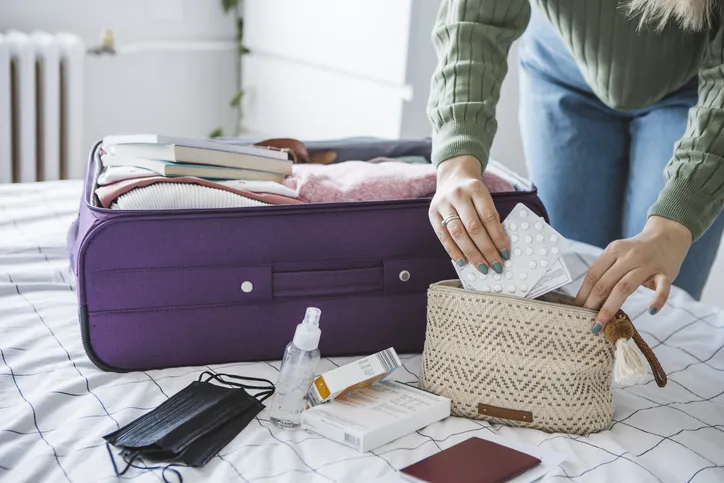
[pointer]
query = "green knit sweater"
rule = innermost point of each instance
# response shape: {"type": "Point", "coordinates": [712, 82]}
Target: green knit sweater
{"type": "Point", "coordinates": [628, 68]}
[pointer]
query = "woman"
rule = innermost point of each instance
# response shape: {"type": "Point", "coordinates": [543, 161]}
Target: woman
{"type": "Point", "coordinates": [605, 92]}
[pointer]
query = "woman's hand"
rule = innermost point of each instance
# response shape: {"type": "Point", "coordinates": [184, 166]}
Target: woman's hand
{"type": "Point", "coordinates": [477, 236]}
{"type": "Point", "coordinates": [652, 258]}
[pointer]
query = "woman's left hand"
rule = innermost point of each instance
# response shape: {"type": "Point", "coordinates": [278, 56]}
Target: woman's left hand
{"type": "Point", "coordinates": [652, 258]}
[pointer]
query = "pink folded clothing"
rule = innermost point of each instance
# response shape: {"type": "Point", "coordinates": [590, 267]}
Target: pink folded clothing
{"type": "Point", "coordinates": [108, 193]}
{"type": "Point", "coordinates": [371, 181]}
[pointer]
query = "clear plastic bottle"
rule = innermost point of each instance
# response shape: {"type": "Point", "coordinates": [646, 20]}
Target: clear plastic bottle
{"type": "Point", "coordinates": [296, 374]}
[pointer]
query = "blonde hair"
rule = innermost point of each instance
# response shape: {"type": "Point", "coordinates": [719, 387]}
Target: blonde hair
{"type": "Point", "coordinates": [692, 15]}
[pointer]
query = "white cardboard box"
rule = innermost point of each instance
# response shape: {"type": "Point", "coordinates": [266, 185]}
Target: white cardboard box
{"type": "Point", "coordinates": [353, 376]}
{"type": "Point", "coordinates": [376, 415]}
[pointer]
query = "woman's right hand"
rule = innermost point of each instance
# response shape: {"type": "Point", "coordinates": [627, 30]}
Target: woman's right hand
{"type": "Point", "coordinates": [478, 236]}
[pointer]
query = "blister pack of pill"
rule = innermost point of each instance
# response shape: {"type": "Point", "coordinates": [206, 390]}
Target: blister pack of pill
{"type": "Point", "coordinates": [536, 265]}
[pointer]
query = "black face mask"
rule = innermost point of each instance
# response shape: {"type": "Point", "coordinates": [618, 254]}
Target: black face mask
{"type": "Point", "coordinates": [193, 425]}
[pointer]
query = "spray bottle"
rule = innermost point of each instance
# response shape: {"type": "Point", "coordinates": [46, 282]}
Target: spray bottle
{"type": "Point", "coordinates": [296, 374]}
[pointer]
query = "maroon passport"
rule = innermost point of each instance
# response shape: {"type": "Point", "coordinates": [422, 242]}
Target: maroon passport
{"type": "Point", "coordinates": [473, 461]}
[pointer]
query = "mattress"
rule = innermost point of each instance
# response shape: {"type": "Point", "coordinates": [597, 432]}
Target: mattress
{"type": "Point", "coordinates": [55, 405]}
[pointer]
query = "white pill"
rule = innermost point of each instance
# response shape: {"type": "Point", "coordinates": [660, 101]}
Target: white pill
{"type": "Point", "coordinates": [485, 288]}
{"type": "Point", "coordinates": [528, 239]}
{"type": "Point", "coordinates": [471, 276]}
{"type": "Point", "coordinates": [542, 252]}
{"type": "Point", "coordinates": [522, 275]}
{"type": "Point", "coordinates": [512, 226]}
{"type": "Point", "coordinates": [544, 263]}
{"type": "Point", "coordinates": [514, 238]}
{"type": "Point", "coordinates": [539, 237]}
{"type": "Point", "coordinates": [497, 276]}
{"type": "Point", "coordinates": [524, 225]}
{"type": "Point", "coordinates": [508, 263]}
{"type": "Point", "coordinates": [529, 251]}
{"type": "Point", "coordinates": [523, 287]}
{"type": "Point", "coordinates": [555, 250]}
{"type": "Point", "coordinates": [539, 226]}
{"type": "Point", "coordinates": [509, 275]}
{"type": "Point", "coordinates": [511, 288]}
{"type": "Point", "coordinates": [517, 252]}
{"type": "Point", "coordinates": [532, 264]}
{"type": "Point", "coordinates": [523, 214]}
{"type": "Point", "coordinates": [497, 287]}
{"type": "Point", "coordinates": [553, 238]}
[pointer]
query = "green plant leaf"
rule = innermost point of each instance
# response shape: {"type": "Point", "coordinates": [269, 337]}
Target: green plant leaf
{"type": "Point", "coordinates": [229, 5]}
{"type": "Point", "coordinates": [217, 133]}
{"type": "Point", "coordinates": [236, 100]}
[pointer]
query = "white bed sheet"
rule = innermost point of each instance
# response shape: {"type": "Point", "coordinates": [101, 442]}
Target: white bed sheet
{"type": "Point", "coordinates": [55, 405]}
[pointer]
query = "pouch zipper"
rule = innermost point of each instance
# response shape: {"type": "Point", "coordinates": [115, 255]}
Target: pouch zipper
{"type": "Point", "coordinates": [582, 310]}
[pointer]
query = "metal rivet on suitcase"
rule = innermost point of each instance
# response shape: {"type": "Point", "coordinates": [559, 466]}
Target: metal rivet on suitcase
{"type": "Point", "coordinates": [404, 275]}
{"type": "Point", "coordinates": [247, 287]}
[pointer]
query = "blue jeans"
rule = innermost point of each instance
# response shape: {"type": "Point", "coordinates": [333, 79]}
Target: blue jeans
{"type": "Point", "coordinates": [599, 170]}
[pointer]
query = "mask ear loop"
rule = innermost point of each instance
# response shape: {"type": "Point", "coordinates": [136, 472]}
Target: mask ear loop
{"type": "Point", "coordinates": [267, 391]}
{"type": "Point", "coordinates": [136, 455]}
{"type": "Point", "coordinates": [220, 378]}
{"type": "Point", "coordinates": [266, 395]}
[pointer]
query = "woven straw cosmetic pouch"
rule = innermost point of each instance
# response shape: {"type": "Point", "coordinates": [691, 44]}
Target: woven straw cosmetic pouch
{"type": "Point", "coordinates": [531, 363]}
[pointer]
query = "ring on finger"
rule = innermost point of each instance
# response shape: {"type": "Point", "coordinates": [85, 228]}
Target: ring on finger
{"type": "Point", "coordinates": [448, 219]}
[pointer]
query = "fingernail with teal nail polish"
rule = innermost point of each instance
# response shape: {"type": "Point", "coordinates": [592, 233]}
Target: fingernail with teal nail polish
{"type": "Point", "coordinates": [653, 310]}
{"type": "Point", "coordinates": [483, 268]}
{"type": "Point", "coordinates": [505, 254]}
{"type": "Point", "coordinates": [597, 328]}
{"type": "Point", "coordinates": [497, 267]}
{"type": "Point", "coordinates": [460, 262]}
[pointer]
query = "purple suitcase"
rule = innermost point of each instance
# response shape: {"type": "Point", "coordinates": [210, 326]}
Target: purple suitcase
{"type": "Point", "coordinates": [160, 289]}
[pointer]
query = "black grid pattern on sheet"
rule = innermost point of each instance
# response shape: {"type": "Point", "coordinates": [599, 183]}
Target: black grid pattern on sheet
{"type": "Point", "coordinates": [44, 368]}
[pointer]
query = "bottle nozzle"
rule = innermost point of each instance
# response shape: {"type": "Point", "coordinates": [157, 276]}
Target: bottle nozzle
{"type": "Point", "coordinates": [312, 315]}
{"type": "Point", "coordinates": [307, 334]}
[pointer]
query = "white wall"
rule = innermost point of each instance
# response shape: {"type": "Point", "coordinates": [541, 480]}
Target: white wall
{"type": "Point", "coordinates": [340, 72]}
{"type": "Point", "coordinates": [420, 65]}
{"type": "Point", "coordinates": [175, 71]}
{"type": "Point", "coordinates": [507, 145]}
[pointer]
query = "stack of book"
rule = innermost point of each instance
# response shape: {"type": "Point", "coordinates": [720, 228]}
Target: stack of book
{"type": "Point", "coordinates": [172, 156]}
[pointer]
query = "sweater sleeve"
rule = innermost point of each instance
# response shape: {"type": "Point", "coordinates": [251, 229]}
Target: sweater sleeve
{"type": "Point", "coordinates": [694, 191]}
{"type": "Point", "coordinates": [472, 39]}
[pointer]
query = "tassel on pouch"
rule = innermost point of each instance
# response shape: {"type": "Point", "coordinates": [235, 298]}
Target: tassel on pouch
{"type": "Point", "coordinates": [628, 369]}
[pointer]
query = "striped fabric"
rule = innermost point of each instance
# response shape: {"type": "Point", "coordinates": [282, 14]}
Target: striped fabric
{"type": "Point", "coordinates": [628, 68]}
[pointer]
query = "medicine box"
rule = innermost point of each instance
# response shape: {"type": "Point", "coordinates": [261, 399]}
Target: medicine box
{"type": "Point", "coordinates": [376, 415]}
{"type": "Point", "coordinates": [355, 375]}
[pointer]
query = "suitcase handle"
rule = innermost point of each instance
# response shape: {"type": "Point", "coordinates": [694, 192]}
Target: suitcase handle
{"type": "Point", "coordinates": [395, 276]}
{"type": "Point", "coordinates": [328, 282]}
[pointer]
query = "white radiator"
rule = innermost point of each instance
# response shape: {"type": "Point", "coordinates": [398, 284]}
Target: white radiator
{"type": "Point", "coordinates": [41, 107]}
